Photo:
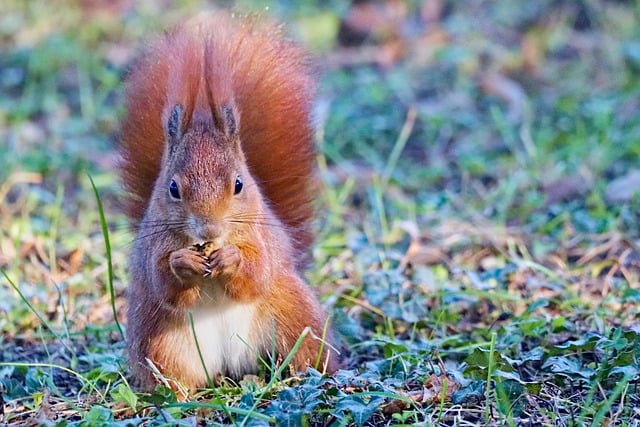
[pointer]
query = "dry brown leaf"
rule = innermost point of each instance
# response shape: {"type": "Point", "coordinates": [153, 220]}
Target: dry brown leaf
{"type": "Point", "coordinates": [438, 388]}
{"type": "Point", "coordinates": [71, 262]}
{"type": "Point", "coordinates": [375, 20]}
{"type": "Point", "coordinates": [423, 254]}
{"type": "Point", "coordinates": [45, 413]}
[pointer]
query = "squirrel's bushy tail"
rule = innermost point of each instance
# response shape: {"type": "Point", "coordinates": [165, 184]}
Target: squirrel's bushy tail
{"type": "Point", "coordinates": [272, 87]}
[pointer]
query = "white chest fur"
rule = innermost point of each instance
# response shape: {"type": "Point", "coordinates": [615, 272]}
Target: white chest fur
{"type": "Point", "coordinates": [223, 332]}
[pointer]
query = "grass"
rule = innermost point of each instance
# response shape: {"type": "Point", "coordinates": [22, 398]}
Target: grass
{"type": "Point", "coordinates": [478, 247]}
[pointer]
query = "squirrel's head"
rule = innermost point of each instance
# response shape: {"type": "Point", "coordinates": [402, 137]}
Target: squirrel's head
{"type": "Point", "coordinates": [205, 185]}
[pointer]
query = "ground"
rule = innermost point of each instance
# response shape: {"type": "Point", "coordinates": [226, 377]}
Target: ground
{"type": "Point", "coordinates": [478, 242]}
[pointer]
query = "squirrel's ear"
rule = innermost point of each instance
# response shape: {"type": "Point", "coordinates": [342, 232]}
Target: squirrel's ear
{"type": "Point", "coordinates": [229, 120]}
{"type": "Point", "coordinates": [174, 123]}
{"type": "Point", "coordinates": [174, 126]}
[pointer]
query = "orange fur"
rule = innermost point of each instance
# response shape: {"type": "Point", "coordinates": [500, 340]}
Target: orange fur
{"type": "Point", "coordinates": [215, 99]}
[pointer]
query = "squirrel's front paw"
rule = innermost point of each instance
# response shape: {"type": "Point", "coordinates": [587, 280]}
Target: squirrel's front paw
{"type": "Point", "coordinates": [187, 264]}
{"type": "Point", "coordinates": [225, 260]}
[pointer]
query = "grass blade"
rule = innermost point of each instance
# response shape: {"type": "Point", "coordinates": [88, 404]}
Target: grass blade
{"type": "Point", "coordinates": [26, 301]}
{"type": "Point", "coordinates": [107, 246]}
{"type": "Point", "coordinates": [195, 337]}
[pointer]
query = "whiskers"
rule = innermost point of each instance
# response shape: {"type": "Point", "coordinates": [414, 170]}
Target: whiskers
{"type": "Point", "coordinates": [152, 228]}
{"type": "Point", "coordinates": [155, 229]}
{"type": "Point", "coordinates": [255, 219]}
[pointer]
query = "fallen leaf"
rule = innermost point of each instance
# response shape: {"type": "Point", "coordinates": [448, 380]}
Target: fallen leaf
{"type": "Point", "coordinates": [566, 188]}
{"type": "Point", "coordinates": [623, 189]}
{"type": "Point", "coordinates": [423, 254]}
{"type": "Point", "coordinates": [439, 388]}
{"type": "Point", "coordinates": [436, 388]}
{"type": "Point", "coordinates": [378, 21]}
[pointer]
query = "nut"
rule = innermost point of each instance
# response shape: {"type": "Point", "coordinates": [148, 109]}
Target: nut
{"type": "Point", "coordinates": [205, 248]}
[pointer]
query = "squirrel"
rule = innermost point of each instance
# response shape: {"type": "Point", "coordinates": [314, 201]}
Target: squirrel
{"type": "Point", "coordinates": [217, 151]}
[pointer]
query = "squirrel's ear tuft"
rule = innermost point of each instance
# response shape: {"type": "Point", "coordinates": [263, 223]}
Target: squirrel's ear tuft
{"type": "Point", "coordinates": [229, 120]}
{"type": "Point", "coordinates": [174, 127]}
{"type": "Point", "coordinates": [174, 123]}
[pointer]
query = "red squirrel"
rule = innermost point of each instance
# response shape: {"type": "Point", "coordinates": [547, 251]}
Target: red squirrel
{"type": "Point", "coordinates": [217, 146]}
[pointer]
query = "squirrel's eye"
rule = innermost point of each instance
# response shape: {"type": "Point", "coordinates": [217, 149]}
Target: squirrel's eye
{"type": "Point", "coordinates": [238, 187]}
{"type": "Point", "coordinates": [173, 189]}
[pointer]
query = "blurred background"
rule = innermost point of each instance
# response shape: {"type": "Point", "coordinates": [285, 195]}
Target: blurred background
{"type": "Point", "coordinates": [514, 114]}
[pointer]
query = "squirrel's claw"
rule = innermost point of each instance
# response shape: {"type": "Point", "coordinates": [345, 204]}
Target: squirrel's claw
{"type": "Point", "coordinates": [187, 264]}
{"type": "Point", "coordinates": [225, 260]}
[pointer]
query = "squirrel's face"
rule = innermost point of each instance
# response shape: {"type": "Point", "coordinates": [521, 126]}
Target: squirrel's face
{"type": "Point", "coordinates": [208, 186]}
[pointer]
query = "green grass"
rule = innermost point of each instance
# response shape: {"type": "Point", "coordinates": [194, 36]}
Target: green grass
{"type": "Point", "coordinates": [478, 262]}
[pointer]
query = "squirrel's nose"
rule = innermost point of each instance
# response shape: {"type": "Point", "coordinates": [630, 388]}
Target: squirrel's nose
{"type": "Point", "coordinates": [208, 231]}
